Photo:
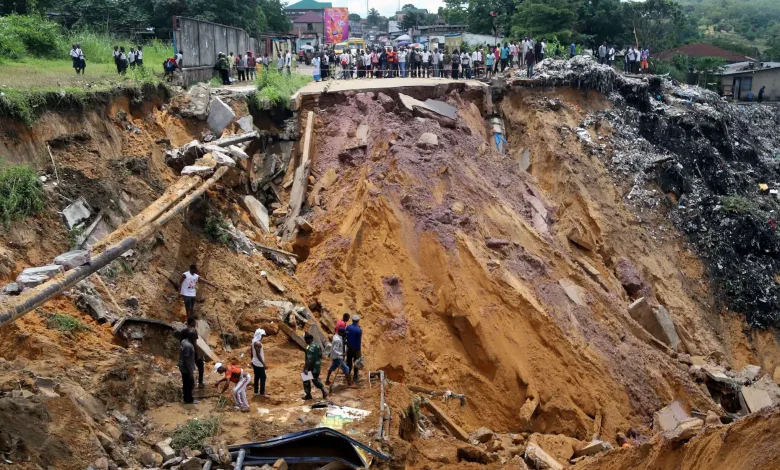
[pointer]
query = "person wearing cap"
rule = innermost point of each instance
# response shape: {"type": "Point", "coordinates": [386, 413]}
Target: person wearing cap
{"type": "Point", "coordinates": [257, 353]}
{"type": "Point", "coordinates": [341, 323]}
{"type": "Point", "coordinates": [240, 378]}
{"type": "Point", "coordinates": [354, 340]}
{"type": "Point", "coordinates": [313, 364]}
{"type": "Point", "coordinates": [187, 365]}
{"type": "Point", "coordinates": [337, 355]}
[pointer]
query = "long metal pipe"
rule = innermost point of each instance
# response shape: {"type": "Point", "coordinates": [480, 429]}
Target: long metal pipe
{"type": "Point", "coordinates": [43, 293]}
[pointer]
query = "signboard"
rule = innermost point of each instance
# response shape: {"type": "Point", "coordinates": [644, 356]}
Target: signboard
{"type": "Point", "coordinates": [336, 25]}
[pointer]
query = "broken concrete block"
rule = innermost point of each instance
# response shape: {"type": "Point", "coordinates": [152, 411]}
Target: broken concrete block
{"type": "Point", "coordinates": [428, 141]}
{"type": "Point", "coordinates": [237, 153]}
{"type": "Point", "coordinates": [540, 458]}
{"type": "Point", "coordinates": [198, 105]}
{"type": "Point", "coordinates": [749, 373]}
{"type": "Point", "coordinates": [527, 412]}
{"type": "Point", "coordinates": [205, 350]}
{"type": "Point", "coordinates": [581, 238]}
{"type": "Point", "coordinates": [685, 430]}
{"type": "Point", "coordinates": [76, 212]}
{"type": "Point", "coordinates": [304, 225]}
{"type": "Point", "coordinates": [220, 115]}
{"type": "Point", "coordinates": [657, 322]}
{"type": "Point", "coordinates": [73, 259]}
{"type": "Point", "coordinates": [32, 277]}
{"type": "Point", "coordinates": [246, 123]}
{"type": "Point", "coordinates": [756, 399]}
{"type": "Point", "coordinates": [387, 102]}
{"type": "Point", "coordinates": [592, 448]}
{"type": "Point", "coordinates": [574, 292]}
{"type": "Point", "coordinates": [280, 464]}
{"type": "Point", "coordinates": [45, 382]}
{"type": "Point", "coordinates": [525, 159]}
{"type": "Point", "coordinates": [197, 170]}
{"type": "Point", "coordinates": [204, 330]}
{"type": "Point", "coordinates": [12, 289]}
{"type": "Point", "coordinates": [223, 160]}
{"type": "Point", "coordinates": [481, 435]}
{"type": "Point", "coordinates": [668, 417]}
{"type": "Point", "coordinates": [257, 211]}
{"type": "Point", "coordinates": [164, 449]}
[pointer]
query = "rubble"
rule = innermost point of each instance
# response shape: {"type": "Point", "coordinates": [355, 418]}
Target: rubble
{"type": "Point", "coordinates": [198, 105]}
{"type": "Point", "coordinates": [246, 123]}
{"type": "Point", "coordinates": [428, 141]}
{"type": "Point", "coordinates": [31, 277]}
{"type": "Point", "coordinates": [541, 459]}
{"type": "Point", "coordinates": [73, 259]}
{"type": "Point", "coordinates": [658, 322]}
{"type": "Point", "coordinates": [220, 115]}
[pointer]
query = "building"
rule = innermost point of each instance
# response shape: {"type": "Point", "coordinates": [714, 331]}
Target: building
{"type": "Point", "coordinates": [304, 6]}
{"type": "Point", "coordinates": [701, 49]}
{"type": "Point", "coordinates": [310, 28]}
{"type": "Point", "coordinates": [743, 80]}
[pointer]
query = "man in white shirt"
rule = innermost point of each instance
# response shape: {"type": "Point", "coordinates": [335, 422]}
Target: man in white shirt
{"type": "Point", "coordinates": [465, 62]}
{"type": "Point", "coordinates": [402, 61]}
{"type": "Point", "coordinates": [426, 56]}
{"type": "Point", "coordinates": [257, 353]}
{"type": "Point", "coordinates": [436, 60]}
{"type": "Point", "coordinates": [337, 353]}
{"type": "Point", "coordinates": [288, 62]}
{"type": "Point", "coordinates": [131, 58]}
{"type": "Point", "coordinates": [139, 56]}
{"type": "Point", "coordinates": [526, 45]}
{"type": "Point", "coordinates": [475, 62]}
{"type": "Point", "coordinates": [187, 288]}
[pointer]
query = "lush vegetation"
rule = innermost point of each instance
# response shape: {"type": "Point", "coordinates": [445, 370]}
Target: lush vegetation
{"type": "Point", "coordinates": [279, 87]}
{"type": "Point", "coordinates": [21, 194]}
{"type": "Point", "coordinates": [135, 16]}
{"type": "Point", "coordinates": [194, 433]}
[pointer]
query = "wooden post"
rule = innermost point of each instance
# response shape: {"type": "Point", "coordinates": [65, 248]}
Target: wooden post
{"type": "Point", "coordinates": [301, 179]}
{"type": "Point", "coordinates": [456, 430]}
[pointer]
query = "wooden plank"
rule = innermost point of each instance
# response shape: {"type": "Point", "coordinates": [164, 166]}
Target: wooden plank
{"type": "Point", "coordinates": [301, 179]}
{"type": "Point", "coordinates": [456, 430]}
{"type": "Point", "coordinates": [292, 335]}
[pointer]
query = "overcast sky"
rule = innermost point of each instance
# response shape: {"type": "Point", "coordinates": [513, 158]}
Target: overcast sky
{"type": "Point", "coordinates": [385, 7]}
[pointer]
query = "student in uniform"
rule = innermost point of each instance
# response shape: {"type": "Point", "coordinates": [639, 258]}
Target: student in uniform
{"type": "Point", "coordinates": [131, 58]}
{"type": "Point", "coordinates": [122, 61]}
{"type": "Point", "coordinates": [139, 56]}
{"type": "Point", "coordinates": [74, 55]}
{"type": "Point", "coordinates": [116, 58]}
{"type": "Point", "coordinates": [180, 59]}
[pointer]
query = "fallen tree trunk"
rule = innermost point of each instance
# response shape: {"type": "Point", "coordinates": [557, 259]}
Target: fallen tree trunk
{"type": "Point", "coordinates": [48, 290]}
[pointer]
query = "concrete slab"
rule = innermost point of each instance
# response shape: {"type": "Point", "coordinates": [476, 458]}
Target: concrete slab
{"type": "Point", "coordinates": [72, 259]}
{"type": "Point", "coordinates": [756, 399]}
{"type": "Point", "coordinates": [32, 277]}
{"type": "Point", "coordinates": [658, 322]}
{"type": "Point", "coordinates": [257, 212]}
{"type": "Point", "coordinates": [592, 448]}
{"type": "Point", "coordinates": [668, 417]}
{"type": "Point", "coordinates": [575, 293]}
{"type": "Point", "coordinates": [76, 212]}
{"type": "Point", "coordinates": [220, 115]}
{"type": "Point", "coordinates": [442, 108]}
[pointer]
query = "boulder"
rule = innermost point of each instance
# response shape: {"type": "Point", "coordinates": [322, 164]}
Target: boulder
{"type": "Point", "coordinates": [12, 289]}
{"type": "Point", "coordinates": [198, 106]}
{"type": "Point", "coordinates": [32, 277]}
{"type": "Point", "coordinates": [165, 450]}
{"type": "Point", "coordinates": [257, 211]}
{"type": "Point", "coordinates": [481, 435]}
{"type": "Point", "coordinates": [668, 417]}
{"type": "Point", "coordinates": [428, 141]}
{"type": "Point", "coordinates": [541, 459]}
{"type": "Point", "coordinates": [749, 373]}
{"type": "Point", "coordinates": [150, 459]}
{"type": "Point", "coordinates": [76, 212]}
{"type": "Point", "coordinates": [194, 463]}
{"type": "Point", "coordinates": [246, 123]}
{"type": "Point", "coordinates": [473, 454]}
{"type": "Point", "coordinates": [73, 259]}
{"type": "Point", "coordinates": [658, 322]}
{"type": "Point", "coordinates": [685, 430]}
{"type": "Point", "coordinates": [197, 170]}
{"type": "Point", "coordinates": [220, 115]}
{"type": "Point", "coordinates": [628, 275]}
{"type": "Point", "coordinates": [387, 102]}
{"type": "Point", "coordinates": [526, 413]}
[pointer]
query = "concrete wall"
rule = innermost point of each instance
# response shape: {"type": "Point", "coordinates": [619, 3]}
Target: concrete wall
{"type": "Point", "coordinates": [768, 78]}
{"type": "Point", "coordinates": [200, 41]}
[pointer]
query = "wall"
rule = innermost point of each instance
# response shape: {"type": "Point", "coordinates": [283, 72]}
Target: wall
{"type": "Point", "coordinates": [768, 78]}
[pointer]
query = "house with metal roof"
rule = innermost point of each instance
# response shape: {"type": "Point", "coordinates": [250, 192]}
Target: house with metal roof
{"type": "Point", "coordinates": [304, 6]}
{"type": "Point", "coordinates": [701, 49]}
{"type": "Point", "coordinates": [743, 80]}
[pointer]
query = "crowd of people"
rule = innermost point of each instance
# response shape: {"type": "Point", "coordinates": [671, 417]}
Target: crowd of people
{"type": "Point", "coordinates": [636, 59]}
{"type": "Point", "coordinates": [124, 60]}
{"type": "Point", "coordinates": [345, 353]}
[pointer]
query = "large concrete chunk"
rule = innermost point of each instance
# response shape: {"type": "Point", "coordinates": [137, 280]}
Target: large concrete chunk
{"type": "Point", "coordinates": [73, 259]}
{"type": "Point", "coordinates": [198, 106]}
{"type": "Point", "coordinates": [32, 277]}
{"type": "Point", "coordinates": [527, 412]}
{"type": "Point", "coordinates": [76, 212]}
{"type": "Point", "coordinates": [220, 115]}
{"type": "Point", "coordinates": [657, 322]}
{"type": "Point", "coordinates": [223, 160]}
{"type": "Point", "coordinates": [257, 212]}
{"type": "Point", "coordinates": [205, 350]}
{"type": "Point", "coordinates": [685, 430]}
{"type": "Point", "coordinates": [541, 459]}
{"type": "Point", "coordinates": [164, 449]}
{"type": "Point", "coordinates": [629, 276]}
{"type": "Point", "coordinates": [668, 417]}
{"type": "Point", "coordinates": [237, 153]}
{"type": "Point", "coordinates": [197, 170]}
{"type": "Point", "coordinates": [246, 123]}
{"type": "Point", "coordinates": [481, 435]}
{"type": "Point", "coordinates": [575, 293]}
{"type": "Point", "coordinates": [592, 448]}
{"type": "Point", "coordinates": [756, 399]}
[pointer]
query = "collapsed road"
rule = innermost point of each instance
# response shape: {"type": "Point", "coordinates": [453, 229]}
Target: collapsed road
{"type": "Point", "coordinates": [576, 270]}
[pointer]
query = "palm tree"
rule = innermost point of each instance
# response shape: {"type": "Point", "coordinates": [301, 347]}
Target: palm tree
{"type": "Point", "coordinates": [373, 16]}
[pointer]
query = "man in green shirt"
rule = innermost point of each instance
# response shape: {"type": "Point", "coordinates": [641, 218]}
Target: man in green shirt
{"type": "Point", "coordinates": [223, 66]}
{"type": "Point", "coordinates": [313, 364]}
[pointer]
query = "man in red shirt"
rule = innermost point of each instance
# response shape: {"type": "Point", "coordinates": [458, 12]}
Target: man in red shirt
{"type": "Point", "coordinates": [342, 323]}
{"type": "Point", "coordinates": [392, 59]}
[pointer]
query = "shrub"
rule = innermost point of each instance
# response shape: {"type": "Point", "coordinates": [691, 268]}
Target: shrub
{"type": "Point", "coordinates": [278, 87]}
{"type": "Point", "coordinates": [216, 229]}
{"type": "Point", "coordinates": [736, 205]}
{"type": "Point", "coordinates": [21, 194]}
{"type": "Point", "coordinates": [66, 323]}
{"type": "Point", "coordinates": [39, 36]}
{"type": "Point", "coordinates": [194, 432]}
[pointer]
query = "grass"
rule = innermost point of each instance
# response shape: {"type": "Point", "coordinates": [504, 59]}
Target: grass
{"type": "Point", "coordinates": [279, 87]}
{"type": "Point", "coordinates": [736, 205]}
{"type": "Point", "coordinates": [66, 323]}
{"type": "Point", "coordinates": [21, 194]}
{"type": "Point", "coordinates": [194, 432]}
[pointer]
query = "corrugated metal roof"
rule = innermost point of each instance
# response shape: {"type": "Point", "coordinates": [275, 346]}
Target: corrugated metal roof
{"type": "Point", "coordinates": [701, 49]}
{"type": "Point", "coordinates": [309, 5]}
{"type": "Point", "coordinates": [745, 67]}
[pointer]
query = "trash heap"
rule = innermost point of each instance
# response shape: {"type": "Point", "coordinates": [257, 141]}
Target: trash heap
{"type": "Point", "coordinates": [711, 163]}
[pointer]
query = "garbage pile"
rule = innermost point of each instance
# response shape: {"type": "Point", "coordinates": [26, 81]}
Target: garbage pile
{"type": "Point", "coordinates": [716, 164]}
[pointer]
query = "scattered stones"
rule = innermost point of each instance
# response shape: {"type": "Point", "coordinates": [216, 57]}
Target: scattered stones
{"type": "Point", "coordinates": [32, 277]}
{"type": "Point", "coordinates": [220, 115]}
{"type": "Point", "coordinates": [164, 449]}
{"type": "Point", "coordinates": [685, 430]}
{"type": "Point", "coordinates": [428, 141]}
{"type": "Point", "coordinates": [246, 123]}
{"type": "Point", "coordinates": [197, 170]}
{"type": "Point", "coordinates": [237, 153]}
{"type": "Point", "coordinates": [73, 259]}
{"type": "Point", "coordinates": [76, 212]}
{"type": "Point", "coordinates": [541, 459]}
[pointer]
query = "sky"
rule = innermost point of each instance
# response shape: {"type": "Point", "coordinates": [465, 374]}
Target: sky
{"type": "Point", "coordinates": [385, 7]}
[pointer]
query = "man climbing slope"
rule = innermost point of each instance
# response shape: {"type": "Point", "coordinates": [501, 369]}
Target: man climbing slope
{"type": "Point", "coordinates": [187, 284]}
{"type": "Point", "coordinates": [312, 365]}
{"type": "Point", "coordinates": [337, 355]}
{"type": "Point", "coordinates": [354, 340]}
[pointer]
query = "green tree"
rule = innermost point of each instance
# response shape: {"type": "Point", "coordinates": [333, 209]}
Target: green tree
{"type": "Point", "coordinates": [354, 17]}
{"type": "Point", "coordinates": [602, 20]}
{"type": "Point", "coordinates": [658, 24]}
{"type": "Point", "coordinates": [408, 6]}
{"type": "Point", "coordinates": [545, 18]}
{"type": "Point", "coordinates": [373, 16]}
{"type": "Point", "coordinates": [454, 12]}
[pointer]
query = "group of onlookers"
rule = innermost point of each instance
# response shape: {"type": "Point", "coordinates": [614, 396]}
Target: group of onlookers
{"type": "Point", "coordinates": [125, 60]}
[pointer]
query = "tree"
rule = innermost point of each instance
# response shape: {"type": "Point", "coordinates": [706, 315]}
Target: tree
{"type": "Point", "coordinates": [603, 21]}
{"type": "Point", "coordinates": [545, 18]}
{"type": "Point", "coordinates": [481, 21]}
{"type": "Point", "coordinates": [373, 17]}
{"type": "Point", "coordinates": [658, 24]}
{"type": "Point", "coordinates": [413, 19]}
{"type": "Point", "coordinates": [354, 17]}
{"type": "Point", "coordinates": [408, 6]}
{"type": "Point", "coordinates": [454, 12]}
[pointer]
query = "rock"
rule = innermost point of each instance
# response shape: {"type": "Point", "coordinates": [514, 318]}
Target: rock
{"type": "Point", "coordinates": [246, 123]}
{"type": "Point", "coordinates": [223, 160]}
{"type": "Point", "coordinates": [22, 394]}
{"type": "Point", "coordinates": [712, 419]}
{"type": "Point", "coordinates": [73, 259]}
{"type": "Point", "coordinates": [304, 225]}
{"type": "Point", "coordinates": [685, 359]}
{"type": "Point", "coordinates": [628, 275]}
{"type": "Point", "coordinates": [76, 212]}
{"type": "Point", "coordinates": [668, 417]}
{"type": "Point", "coordinates": [657, 322]}
{"type": "Point", "coordinates": [275, 283]}
{"type": "Point", "coordinates": [198, 106]}
{"type": "Point", "coordinates": [175, 461]}
{"type": "Point", "coordinates": [151, 460]}
{"type": "Point", "coordinates": [428, 141]}
{"type": "Point", "coordinates": [749, 373]}
{"type": "Point", "coordinates": [45, 382]}
{"type": "Point", "coordinates": [192, 464]}
{"type": "Point", "coordinates": [363, 100]}
{"type": "Point", "coordinates": [105, 441]}
{"type": "Point", "coordinates": [541, 459]}
{"type": "Point", "coordinates": [481, 435]}
{"type": "Point", "coordinates": [756, 399]}
{"type": "Point", "coordinates": [592, 448]}
{"type": "Point", "coordinates": [280, 464]}
{"type": "Point", "coordinates": [187, 453]}
{"type": "Point", "coordinates": [685, 430]}
{"type": "Point", "coordinates": [164, 449]}
{"type": "Point", "coordinates": [122, 419]}
{"type": "Point", "coordinates": [496, 243]}
{"type": "Point", "coordinates": [191, 151]}
{"type": "Point", "coordinates": [387, 102]}
{"type": "Point", "coordinates": [203, 328]}
{"type": "Point", "coordinates": [12, 289]}
{"type": "Point", "coordinates": [131, 302]}
{"type": "Point", "coordinates": [458, 207]}
{"type": "Point", "coordinates": [92, 305]}
{"type": "Point", "coordinates": [518, 463]}
{"type": "Point", "coordinates": [581, 238]}
{"type": "Point", "coordinates": [197, 170]}
{"type": "Point", "coordinates": [473, 454]}
{"type": "Point", "coordinates": [553, 104]}
{"type": "Point", "coordinates": [526, 413]}
{"type": "Point", "coordinates": [574, 292]}
{"type": "Point", "coordinates": [220, 115]}
{"type": "Point", "coordinates": [525, 159]}
{"type": "Point", "coordinates": [495, 444]}
{"type": "Point", "coordinates": [257, 212]}
{"type": "Point", "coordinates": [237, 153]}
{"type": "Point", "coordinates": [32, 277]}
{"type": "Point", "coordinates": [100, 464]}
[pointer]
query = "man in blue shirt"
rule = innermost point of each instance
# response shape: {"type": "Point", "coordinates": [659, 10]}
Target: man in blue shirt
{"type": "Point", "coordinates": [572, 50]}
{"type": "Point", "coordinates": [504, 56]}
{"type": "Point", "coordinates": [354, 340]}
